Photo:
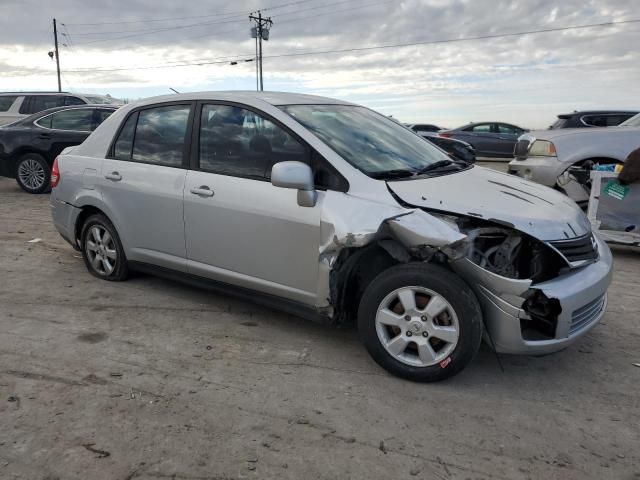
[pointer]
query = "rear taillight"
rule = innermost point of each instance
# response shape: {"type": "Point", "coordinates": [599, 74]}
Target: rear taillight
{"type": "Point", "coordinates": [445, 135]}
{"type": "Point", "coordinates": [55, 174]}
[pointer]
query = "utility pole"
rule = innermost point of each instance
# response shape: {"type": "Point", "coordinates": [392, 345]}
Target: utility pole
{"type": "Point", "coordinates": [260, 32]}
{"type": "Point", "coordinates": [55, 37]}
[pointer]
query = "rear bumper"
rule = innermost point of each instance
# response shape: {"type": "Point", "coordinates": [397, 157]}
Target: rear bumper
{"type": "Point", "coordinates": [582, 294]}
{"type": "Point", "coordinates": [64, 217]}
{"type": "Point", "coordinates": [544, 170]}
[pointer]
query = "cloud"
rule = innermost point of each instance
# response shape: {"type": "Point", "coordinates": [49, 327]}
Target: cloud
{"type": "Point", "coordinates": [523, 79]}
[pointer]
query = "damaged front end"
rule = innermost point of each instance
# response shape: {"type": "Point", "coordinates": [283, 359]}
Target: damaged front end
{"type": "Point", "coordinates": [528, 292]}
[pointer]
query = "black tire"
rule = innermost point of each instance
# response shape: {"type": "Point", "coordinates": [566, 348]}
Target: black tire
{"type": "Point", "coordinates": [33, 173]}
{"type": "Point", "coordinates": [446, 284]}
{"type": "Point", "coordinates": [120, 270]}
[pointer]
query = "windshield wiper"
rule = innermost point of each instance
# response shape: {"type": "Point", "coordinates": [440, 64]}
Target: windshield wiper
{"type": "Point", "coordinates": [395, 173]}
{"type": "Point", "coordinates": [436, 166]}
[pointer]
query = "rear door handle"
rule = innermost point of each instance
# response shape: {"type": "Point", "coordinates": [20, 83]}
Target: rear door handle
{"type": "Point", "coordinates": [202, 191]}
{"type": "Point", "coordinates": [115, 176]}
{"type": "Point", "coordinates": [44, 136]}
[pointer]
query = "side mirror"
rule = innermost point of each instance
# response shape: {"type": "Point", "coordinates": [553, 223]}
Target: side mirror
{"type": "Point", "coordinates": [296, 175]}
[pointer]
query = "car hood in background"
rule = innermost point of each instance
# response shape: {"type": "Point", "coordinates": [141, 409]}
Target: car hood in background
{"type": "Point", "coordinates": [565, 132]}
{"type": "Point", "coordinates": [478, 192]}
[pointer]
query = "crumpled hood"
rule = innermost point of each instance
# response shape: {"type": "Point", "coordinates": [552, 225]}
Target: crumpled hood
{"type": "Point", "coordinates": [483, 193]}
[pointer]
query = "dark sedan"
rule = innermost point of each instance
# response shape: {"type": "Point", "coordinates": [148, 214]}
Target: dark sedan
{"type": "Point", "coordinates": [490, 139]}
{"type": "Point", "coordinates": [28, 147]}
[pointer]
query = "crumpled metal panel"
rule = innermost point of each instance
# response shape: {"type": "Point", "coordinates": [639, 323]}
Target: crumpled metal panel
{"type": "Point", "coordinates": [360, 221]}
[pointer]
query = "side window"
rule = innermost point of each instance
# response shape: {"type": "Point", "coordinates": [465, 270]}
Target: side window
{"type": "Point", "coordinates": [73, 101]}
{"type": "Point", "coordinates": [6, 102]}
{"type": "Point", "coordinates": [124, 144]}
{"type": "Point", "coordinates": [482, 128]}
{"type": "Point", "coordinates": [325, 176]}
{"type": "Point", "coordinates": [595, 120]}
{"type": "Point", "coordinates": [508, 129]}
{"type": "Point", "coordinates": [615, 120]}
{"type": "Point", "coordinates": [38, 103]}
{"type": "Point", "coordinates": [160, 135]}
{"type": "Point", "coordinates": [78, 120]}
{"type": "Point", "coordinates": [101, 115]}
{"type": "Point", "coordinates": [235, 141]}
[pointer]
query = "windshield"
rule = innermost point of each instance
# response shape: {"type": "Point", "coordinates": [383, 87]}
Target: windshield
{"type": "Point", "coordinates": [374, 144]}
{"type": "Point", "coordinates": [632, 122]}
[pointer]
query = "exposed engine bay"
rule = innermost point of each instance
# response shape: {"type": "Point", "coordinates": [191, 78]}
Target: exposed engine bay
{"type": "Point", "coordinates": [509, 253]}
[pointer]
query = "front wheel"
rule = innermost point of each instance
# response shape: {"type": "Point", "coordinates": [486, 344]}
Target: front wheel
{"type": "Point", "coordinates": [420, 322]}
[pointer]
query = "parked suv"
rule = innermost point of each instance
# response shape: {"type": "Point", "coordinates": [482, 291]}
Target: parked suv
{"type": "Point", "coordinates": [592, 118]}
{"type": "Point", "coordinates": [332, 211]}
{"type": "Point", "coordinates": [546, 155]}
{"type": "Point", "coordinates": [18, 105]}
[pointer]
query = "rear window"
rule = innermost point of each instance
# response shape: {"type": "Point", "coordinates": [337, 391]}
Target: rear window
{"type": "Point", "coordinates": [6, 102]}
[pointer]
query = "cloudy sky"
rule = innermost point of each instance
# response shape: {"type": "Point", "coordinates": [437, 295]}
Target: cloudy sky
{"type": "Point", "coordinates": [138, 48]}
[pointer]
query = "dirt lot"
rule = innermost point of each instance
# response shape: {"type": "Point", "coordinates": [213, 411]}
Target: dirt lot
{"type": "Point", "coordinates": [149, 379]}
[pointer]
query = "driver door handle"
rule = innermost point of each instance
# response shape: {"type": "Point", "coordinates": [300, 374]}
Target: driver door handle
{"type": "Point", "coordinates": [202, 191]}
{"type": "Point", "coordinates": [115, 176]}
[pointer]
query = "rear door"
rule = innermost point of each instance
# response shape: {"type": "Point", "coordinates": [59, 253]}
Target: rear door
{"type": "Point", "coordinates": [59, 130]}
{"type": "Point", "coordinates": [483, 137]}
{"type": "Point", "coordinates": [142, 183]}
{"type": "Point", "coordinates": [508, 136]}
{"type": "Point", "coordinates": [239, 228]}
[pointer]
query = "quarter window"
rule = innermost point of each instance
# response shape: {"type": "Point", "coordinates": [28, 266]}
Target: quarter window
{"type": "Point", "coordinates": [124, 144]}
{"type": "Point", "coordinates": [6, 102]}
{"type": "Point", "coordinates": [236, 141]}
{"type": "Point", "coordinates": [78, 120]}
{"type": "Point", "coordinates": [160, 135]}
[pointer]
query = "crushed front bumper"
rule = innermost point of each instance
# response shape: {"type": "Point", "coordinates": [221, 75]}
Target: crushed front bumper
{"type": "Point", "coordinates": [582, 294]}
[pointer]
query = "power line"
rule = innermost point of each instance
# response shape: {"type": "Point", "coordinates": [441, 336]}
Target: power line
{"type": "Point", "coordinates": [386, 46]}
{"type": "Point", "coordinates": [168, 19]}
{"type": "Point", "coordinates": [142, 32]}
{"type": "Point", "coordinates": [455, 40]}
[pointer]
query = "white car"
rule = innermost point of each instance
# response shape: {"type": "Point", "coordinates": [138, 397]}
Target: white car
{"type": "Point", "coordinates": [15, 106]}
{"type": "Point", "coordinates": [544, 156]}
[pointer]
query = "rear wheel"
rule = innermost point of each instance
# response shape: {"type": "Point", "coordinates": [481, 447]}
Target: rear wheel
{"type": "Point", "coordinates": [33, 173]}
{"type": "Point", "coordinates": [420, 322]}
{"type": "Point", "coordinates": [101, 249]}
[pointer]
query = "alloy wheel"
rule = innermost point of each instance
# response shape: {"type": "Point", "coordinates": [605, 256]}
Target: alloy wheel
{"type": "Point", "coordinates": [32, 174]}
{"type": "Point", "coordinates": [101, 250]}
{"type": "Point", "coordinates": [417, 326]}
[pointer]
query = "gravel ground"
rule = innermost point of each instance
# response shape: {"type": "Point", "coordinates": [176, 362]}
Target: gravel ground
{"type": "Point", "coordinates": [150, 379]}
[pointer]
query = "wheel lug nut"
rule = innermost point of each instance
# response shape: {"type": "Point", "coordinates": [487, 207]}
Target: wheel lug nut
{"type": "Point", "coordinates": [409, 334]}
{"type": "Point", "coordinates": [425, 334]}
{"type": "Point", "coordinates": [407, 317]}
{"type": "Point", "coordinates": [423, 318]}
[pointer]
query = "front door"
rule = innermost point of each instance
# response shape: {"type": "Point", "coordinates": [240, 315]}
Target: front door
{"type": "Point", "coordinates": [142, 184]}
{"type": "Point", "coordinates": [239, 228]}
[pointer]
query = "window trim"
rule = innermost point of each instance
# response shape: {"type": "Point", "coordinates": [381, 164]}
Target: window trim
{"type": "Point", "coordinates": [35, 122]}
{"type": "Point", "coordinates": [194, 163]}
{"type": "Point", "coordinates": [186, 149]}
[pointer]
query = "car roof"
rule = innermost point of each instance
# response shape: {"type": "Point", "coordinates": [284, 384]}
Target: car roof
{"type": "Point", "coordinates": [43, 113]}
{"type": "Point", "coordinates": [273, 98]}
{"type": "Point", "coordinates": [596, 112]}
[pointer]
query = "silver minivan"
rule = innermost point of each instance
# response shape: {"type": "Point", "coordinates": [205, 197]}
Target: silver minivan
{"type": "Point", "coordinates": [334, 212]}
